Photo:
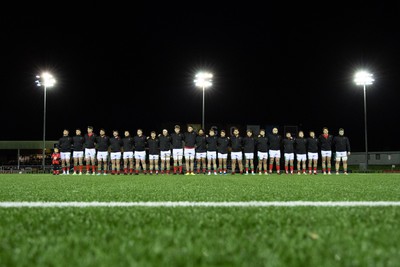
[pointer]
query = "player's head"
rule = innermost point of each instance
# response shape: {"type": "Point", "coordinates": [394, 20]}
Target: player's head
{"type": "Point", "coordinates": [275, 130]}
{"type": "Point", "coordinates": [177, 128]}
{"type": "Point", "coordinates": [139, 132]}
{"type": "Point", "coordinates": [165, 132]}
{"type": "Point", "coordinates": [201, 132]}
{"type": "Point", "coordinates": [66, 132]}
{"type": "Point", "coordinates": [235, 131]}
{"type": "Point", "coordinates": [90, 129]}
{"type": "Point", "coordinates": [190, 128]}
{"type": "Point", "coordinates": [78, 131]}
{"type": "Point", "coordinates": [211, 132]}
{"type": "Point", "coordinates": [249, 132]}
{"type": "Point", "coordinates": [341, 131]}
{"type": "Point", "coordinates": [153, 134]}
{"type": "Point", "coordinates": [115, 133]}
{"type": "Point", "coordinates": [288, 135]}
{"type": "Point", "coordinates": [56, 149]}
{"type": "Point", "coordinates": [312, 134]}
{"type": "Point", "coordinates": [126, 133]}
{"type": "Point", "coordinates": [102, 131]}
{"type": "Point", "coordinates": [223, 133]}
{"type": "Point", "coordinates": [262, 132]}
{"type": "Point", "coordinates": [301, 134]}
{"type": "Point", "coordinates": [325, 130]}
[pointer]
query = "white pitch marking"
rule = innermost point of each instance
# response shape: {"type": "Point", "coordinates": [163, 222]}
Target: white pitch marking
{"type": "Point", "coordinates": [201, 204]}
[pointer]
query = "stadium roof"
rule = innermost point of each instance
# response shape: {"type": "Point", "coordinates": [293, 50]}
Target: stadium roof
{"type": "Point", "coordinates": [26, 144]}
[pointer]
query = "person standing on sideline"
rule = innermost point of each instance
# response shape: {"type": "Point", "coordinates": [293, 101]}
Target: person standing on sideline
{"type": "Point", "coordinates": [90, 150]}
{"type": "Point", "coordinates": [177, 139]}
{"type": "Point", "coordinates": [212, 143]}
{"type": "Point", "coordinates": [127, 145]}
{"type": "Point", "coordinates": [288, 150]}
{"type": "Point", "coordinates": [153, 143]}
{"type": "Point", "coordinates": [65, 146]}
{"type": "Point", "coordinates": [77, 145]}
{"type": "Point", "coordinates": [115, 145]}
{"type": "Point", "coordinates": [342, 150]}
{"type": "Point", "coordinates": [325, 141]}
{"type": "Point", "coordinates": [248, 148]}
{"type": "Point", "coordinates": [103, 142]}
{"type": "Point", "coordinates": [301, 152]}
{"type": "Point", "coordinates": [275, 141]}
{"type": "Point", "coordinates": [312, 153]}
{"type": "Point", "coordinates": [55, 161]}
{"type": "Point", "coordinates": [236, 153]}
{"type": "Point", "coordinates": [140, 151]}
{"type": "Point", "coordinates": [262, 152]}
{"type": "Point", "coordinates": [222, 147]}
{"type": "Point", "coordinates": [201, 152]}
{"type": "Point", "coordinates": [189, 150]}
{"type": "Point", "coordinates": [165, 151]}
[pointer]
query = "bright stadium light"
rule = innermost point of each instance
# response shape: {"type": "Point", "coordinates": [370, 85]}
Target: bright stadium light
{"type": "Point", "coordinates": [46, 80]}
{"type": "Point", "coordinates": [364, 78]}
{"type": "Point", "coordinates": [203, 80]}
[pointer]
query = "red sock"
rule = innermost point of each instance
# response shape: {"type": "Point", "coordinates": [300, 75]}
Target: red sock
{"type": "Point", "coordinates": [315, 169]}
{"type": "Point", "coordinates": [80, 168]}
{"type": "Point", "coordinates": [324, 170]}
{"type": "Point", "coordinates": [270, 166]}
{"type": "Point", "coordinates": [130, 170]}
{"type": "Point", "coordinates": [309, 168]}
{"type": "Point", "coordinates": [286, 168]}
{"type": "Point", "coordinates": [93, 168]}
{"type": "Point", "coordinates": [278, 167]}
{"type": "Point", "coordinates": [180, 169]}
{"type": "Point", "coordinates": [329, 169]}
{"type": "Point", "coordinates": [291, 168]}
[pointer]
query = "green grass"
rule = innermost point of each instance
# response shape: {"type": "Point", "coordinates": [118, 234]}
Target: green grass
{"type": "Point", "coordinates": [200, 236]}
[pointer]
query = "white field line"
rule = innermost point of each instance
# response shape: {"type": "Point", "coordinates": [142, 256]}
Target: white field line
{"type": "Point", "coordinates": [201, 204]}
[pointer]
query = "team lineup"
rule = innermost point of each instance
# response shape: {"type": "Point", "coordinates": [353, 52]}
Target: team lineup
{"type": "Point", "coordinates": [152, 154]}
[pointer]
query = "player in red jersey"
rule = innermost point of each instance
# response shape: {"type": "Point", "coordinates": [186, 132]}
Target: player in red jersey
{"type": "Point", "coordinates": [55, 161]}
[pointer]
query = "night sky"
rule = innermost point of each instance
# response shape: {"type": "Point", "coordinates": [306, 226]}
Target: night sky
{"type": "Point", "coordinates": [272, 65]}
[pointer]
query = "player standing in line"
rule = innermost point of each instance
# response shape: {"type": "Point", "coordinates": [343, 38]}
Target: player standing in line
{"type": "Point", "coordinates": [115, 145]}
{"type": "Point", "coordinates": [140, 151]}
{"type": "Point", "coordinates": [212, 141]}
{"type": "Point", "coordinates": [153, 144]}
{"type": "Point", "coordinates": [325, 140]}
{"type": "Point", "coordinates": [223, 144]}
{"type": "Point", "coordinates": [312, 153]}
{"type": "Point", "coordinates": [55, 161]}
{"type": "Point", "coordinates": [127, 145]}
{"type": "Point", "coordinates": [77, 145]}
{"type": "Point", "coordinates": [201, 151]}
{"type": "Point", "coordinates": [177, 139]}
{"type": "Point", "coordinates": [288, 150]}
{"type": "Point", "coordinates": [189, 150]}
{"type": "Point", "coordinates": [236, 154]}
{"type": "Point", "coordinates": [248, 148]}
{"type": "Point", "coordinates": [275, 141]}
{"type": "Point", "coordinates": [90, 150]}
{"type": "Point", "coordinates": [103, 142]}
{"type": "Point", "coordinates": [165, 151]}
{"type": "Point", "coordinates": [262, 152]}
{"type": "Point", "coordinates": [342, 148]}
{"type": "Point", "coordinates": [65, 145]}
{"type": "Point", "coordinates": [301, 152]}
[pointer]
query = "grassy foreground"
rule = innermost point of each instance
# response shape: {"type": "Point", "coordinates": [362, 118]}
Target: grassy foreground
{"type": "Point", "coordinates": [188, 236]}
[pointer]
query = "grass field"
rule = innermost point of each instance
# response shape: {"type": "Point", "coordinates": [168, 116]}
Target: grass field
{"type": "Point", "coordinates": [200, 236]}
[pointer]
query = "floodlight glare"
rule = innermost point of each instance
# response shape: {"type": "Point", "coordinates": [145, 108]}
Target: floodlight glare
{"type": "Point", "coordinates": [363, 78]}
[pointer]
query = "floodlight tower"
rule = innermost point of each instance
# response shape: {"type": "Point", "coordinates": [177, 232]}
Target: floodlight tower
{"type": "Point", "coordinates": [364, 78]}
{"type": "Point", "coordinates": [203, 80]}
{"type": "Point", "coordinates": [46, 80]}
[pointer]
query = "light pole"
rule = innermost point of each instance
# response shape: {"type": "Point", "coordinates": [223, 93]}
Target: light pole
{"type": "Point", "coordinates": [364, 78]}
{"type": "Point", "coordinates": [203, 80]}
{"type": "Point", "coordinates": [45, 80]}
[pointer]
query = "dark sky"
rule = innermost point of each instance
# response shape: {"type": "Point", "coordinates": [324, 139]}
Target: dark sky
{"type": "Point", "coordinates": [272, 65]}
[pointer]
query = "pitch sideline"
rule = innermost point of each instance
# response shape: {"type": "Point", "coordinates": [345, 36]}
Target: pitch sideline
{"type": "Point", "coordinates": [247, 204]}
